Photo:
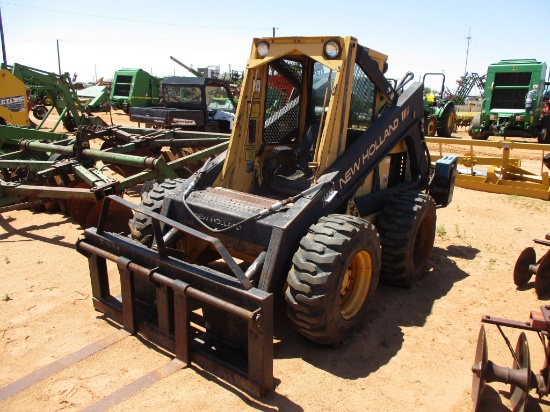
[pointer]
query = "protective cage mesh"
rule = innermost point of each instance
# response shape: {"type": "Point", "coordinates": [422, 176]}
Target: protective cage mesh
{"type": "Point", "coordinates": [282, 108]}
{"type": "Point", "coordinates": [362, 102]}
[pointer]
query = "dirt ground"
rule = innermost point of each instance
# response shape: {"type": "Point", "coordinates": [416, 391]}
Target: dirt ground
{"type": "Point", "coordinates": [414, 353]}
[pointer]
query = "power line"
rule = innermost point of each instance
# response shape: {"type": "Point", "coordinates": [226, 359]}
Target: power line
{"type": "Point", "coordinates": [122, 40]}
{"type": "Point", "coordinates": [132, 20]}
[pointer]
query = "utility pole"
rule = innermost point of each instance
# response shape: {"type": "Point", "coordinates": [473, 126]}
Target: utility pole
{"type": "Point", "coordinates": [275, 28]}
{"type": "Point", "coordinates": [58, 58]}
{"type": "Point", "coordinates": [3, 42]}
{"type": "Point", "coordinates": [467, 50]}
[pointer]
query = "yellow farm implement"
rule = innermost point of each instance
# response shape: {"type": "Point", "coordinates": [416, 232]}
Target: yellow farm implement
{"type": "Point", "coordinates": [502, 174]}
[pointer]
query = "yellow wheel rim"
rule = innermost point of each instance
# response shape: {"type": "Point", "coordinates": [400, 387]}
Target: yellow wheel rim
{"type": "Point", "coordinates": [356, 285]}
{"type": "Point", "coordinates": [431, 127]}
{"type": "Point", "coordinates": [451, 122]}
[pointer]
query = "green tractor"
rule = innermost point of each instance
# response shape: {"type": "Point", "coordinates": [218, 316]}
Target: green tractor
{"type": "Point", "coordinates": [439, 111]}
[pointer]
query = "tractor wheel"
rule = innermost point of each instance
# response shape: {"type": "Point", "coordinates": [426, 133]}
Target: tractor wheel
{"type": "Point", "coordinates": [447, 122]}
{"type": "Point", "coordinates": [407, 233]}
{"type": "Point", "coordinates": [430, 126]}
{"type": "Point", "coordinates": [69, 123]}
{"type": "Point", "coordinates": [476, 124]}
{"type": "Point", "coordinates": [544, 134]}
{"type": "Point", "coordinates": [47, 101]}
{"type": "Point", "coordinates": [333, 278]}
{"type": "Point", "coordinates": [39, 112]}
{"type": "Point", "coordinates": [141, 226]}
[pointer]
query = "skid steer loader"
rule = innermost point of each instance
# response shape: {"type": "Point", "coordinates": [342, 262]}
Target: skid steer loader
{"type": "Point", "coordinates": [325, 188]}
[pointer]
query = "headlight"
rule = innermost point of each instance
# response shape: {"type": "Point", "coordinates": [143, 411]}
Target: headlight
{"type": "Point", "coordinates": [332, 49]}
{"type": "Point", "coordinates": [262, 48]}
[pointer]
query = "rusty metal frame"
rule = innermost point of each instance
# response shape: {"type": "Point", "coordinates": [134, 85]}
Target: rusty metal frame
{"type": "Point", "coordinates": [179, 287]}
{"type": "Point", "coordinates": [14, 193]}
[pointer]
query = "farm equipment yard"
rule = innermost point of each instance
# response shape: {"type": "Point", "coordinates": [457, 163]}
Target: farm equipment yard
{"type": "Point", "coordinates": [420, 340]}
{"type": "Point", "coordinates": [290, 237]}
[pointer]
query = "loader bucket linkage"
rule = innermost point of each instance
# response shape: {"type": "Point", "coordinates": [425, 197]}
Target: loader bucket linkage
{"type": "Point", "coordinates": [179, 325]}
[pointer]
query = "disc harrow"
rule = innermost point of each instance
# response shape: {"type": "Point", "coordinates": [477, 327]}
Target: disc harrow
{"type": "Point", "coordinates": [527, 265]}
{"type": "Point", "coordinates": [53, 172]}
{"type": "Point", "coordinates": [519, 376]}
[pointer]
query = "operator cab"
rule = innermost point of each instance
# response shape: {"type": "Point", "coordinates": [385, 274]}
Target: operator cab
{"type": "Point", "coordinates": [290, 126]}
{"type": "Point", "coordinates": [298, 95]}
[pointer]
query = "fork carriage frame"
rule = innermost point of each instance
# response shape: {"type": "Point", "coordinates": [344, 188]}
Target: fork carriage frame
{"type": "Point", "coordinates": [176, 325]}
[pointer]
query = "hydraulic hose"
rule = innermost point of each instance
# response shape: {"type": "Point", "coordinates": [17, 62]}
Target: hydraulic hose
{"type": "Point", "coordinates": [267, 211]}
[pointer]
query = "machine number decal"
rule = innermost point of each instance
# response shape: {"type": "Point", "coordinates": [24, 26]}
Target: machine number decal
{"type": "Point", "coordinates": [250, 166]}
{"type": "Point", "coordinates": [250, 153]}
{"type": "Point", "coordinates": [255, 111]}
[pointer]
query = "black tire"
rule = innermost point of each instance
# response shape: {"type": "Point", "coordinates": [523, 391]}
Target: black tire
{"type": "Point", "coordinates": [407, 233]}
{"type": "Point", "coordinates": [476, 124]}
{"type": "Point", "coordinates": [430, 126]}
{"type": "Point", "coordinates": [39, 112]}
{"type": "Point", "coordinates": [447, 122]}
{"type": "Point", "coordinates": [141, 226]}
{"type": "Point", "coordinates": [544, 134]}
{"type": "Point", "coordinates": [339, 252]}
{"type": "Point", "coordinates": [69, 123]}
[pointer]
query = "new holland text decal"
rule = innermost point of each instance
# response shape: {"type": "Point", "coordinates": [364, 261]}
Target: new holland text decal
{"type": "Point", "coordinates": [372, 149]}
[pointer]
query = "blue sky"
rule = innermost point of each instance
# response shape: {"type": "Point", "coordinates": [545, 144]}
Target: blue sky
{"type": "Point", "coordinates": [96, 38]}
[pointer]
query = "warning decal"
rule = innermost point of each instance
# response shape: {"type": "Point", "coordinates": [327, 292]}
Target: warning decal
{"type": "Point", "coordinates": [13, 104]}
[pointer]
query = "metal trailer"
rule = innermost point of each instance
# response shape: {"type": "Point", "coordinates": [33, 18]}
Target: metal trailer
{"type": "Point", "coordinates": [497, 174]}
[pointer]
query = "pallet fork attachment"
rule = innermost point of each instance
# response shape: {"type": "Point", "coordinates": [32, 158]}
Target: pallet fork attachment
{"type": "Point", "coordinates": [185, 296]}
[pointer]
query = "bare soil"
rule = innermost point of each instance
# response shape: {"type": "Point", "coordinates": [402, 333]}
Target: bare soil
{"type": "Point", "coordinates": [414, 353]}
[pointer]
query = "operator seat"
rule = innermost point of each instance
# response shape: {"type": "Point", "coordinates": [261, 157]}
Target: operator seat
{"type": "Point", "coordinates": [301, 178]}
